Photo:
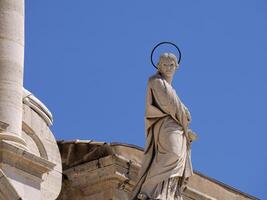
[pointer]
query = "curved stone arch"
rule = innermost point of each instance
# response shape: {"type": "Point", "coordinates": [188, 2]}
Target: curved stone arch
{"type": "Point", "coordinates": [30, 132]}
{"type": "Point", "coordinates": [41, 142]}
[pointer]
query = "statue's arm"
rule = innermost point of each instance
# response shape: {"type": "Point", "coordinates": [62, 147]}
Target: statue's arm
{"type": "Point", "coordinates": [169, 103]}
{"type": "Point", "coordinates": [182, 114]}
{"type": "Point", "coordinates": [162, 97]}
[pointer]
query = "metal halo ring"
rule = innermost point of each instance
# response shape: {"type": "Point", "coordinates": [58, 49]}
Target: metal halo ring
{"type": "Point", "coordinates": [152, 52]}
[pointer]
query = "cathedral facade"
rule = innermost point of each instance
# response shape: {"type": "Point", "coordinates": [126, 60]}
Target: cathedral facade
{"type": "Point", "coordinates": [34, 166]}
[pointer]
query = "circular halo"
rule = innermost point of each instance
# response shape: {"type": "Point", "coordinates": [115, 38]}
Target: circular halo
{"type": "Point", "coordinates": [152, 52]}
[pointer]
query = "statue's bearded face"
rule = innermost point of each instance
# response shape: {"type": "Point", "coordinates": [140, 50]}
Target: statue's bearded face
{"type": "Point", "coordinates": [167, 66]}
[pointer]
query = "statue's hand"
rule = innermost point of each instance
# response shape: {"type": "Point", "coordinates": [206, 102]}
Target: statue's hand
{"type": "Point", "coordinates": [192, 135]}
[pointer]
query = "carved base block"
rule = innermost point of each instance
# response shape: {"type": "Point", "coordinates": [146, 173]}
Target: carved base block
{"type": "Point", "coordinates": [21, 172]}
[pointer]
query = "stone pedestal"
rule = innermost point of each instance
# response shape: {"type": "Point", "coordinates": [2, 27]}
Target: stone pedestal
{"type": "Point", "coordinates": [23, 170]}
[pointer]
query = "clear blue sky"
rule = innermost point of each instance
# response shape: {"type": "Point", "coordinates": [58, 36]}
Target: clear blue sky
{"type": "Point", "coordinates": [88, 61]}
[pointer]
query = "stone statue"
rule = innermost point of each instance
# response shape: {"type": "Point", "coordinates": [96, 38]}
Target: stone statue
{"type": "Point", "coordinates": [167, 156]}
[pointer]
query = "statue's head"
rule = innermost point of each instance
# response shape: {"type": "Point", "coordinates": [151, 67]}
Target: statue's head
{"type": "Point", "coordinates": [167, 64]}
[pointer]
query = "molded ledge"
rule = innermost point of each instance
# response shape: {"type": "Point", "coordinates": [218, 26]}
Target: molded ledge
{"type": "Point", "coordinates": [34, 103]}
{"type": "Point", "coordinates": [21, 159]}
{"type": "Point", "coordinates": [195, 194]}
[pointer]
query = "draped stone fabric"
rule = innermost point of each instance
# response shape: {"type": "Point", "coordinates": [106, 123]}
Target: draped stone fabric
{"type": "Point", "coordinates": [167, 156]}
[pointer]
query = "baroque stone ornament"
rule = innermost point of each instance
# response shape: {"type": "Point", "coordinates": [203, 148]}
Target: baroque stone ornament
{"type": "Point", "coordinates": [167, 156]}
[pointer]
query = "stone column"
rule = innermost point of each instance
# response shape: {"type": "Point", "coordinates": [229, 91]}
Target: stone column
{"type": "Point", "coordinates": [11, 70]}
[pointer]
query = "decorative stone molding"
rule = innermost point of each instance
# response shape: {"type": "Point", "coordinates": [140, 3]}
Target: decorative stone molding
{"type": "Point", "coordinates": [34, 103]}
{"type": "Point", "coordinates": [23, 160]}
{"type": "Point", "coordinates": [192, 193]}
{"type": "Point", "coordinates": [31, 163]}
{"type": "Point", "coordinates": [41, 142]}
{"type": "Point", "coordinates": [23, 170]}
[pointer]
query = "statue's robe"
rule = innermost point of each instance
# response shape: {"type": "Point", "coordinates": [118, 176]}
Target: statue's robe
{"type": "Point", "coordinates": [167, 155]}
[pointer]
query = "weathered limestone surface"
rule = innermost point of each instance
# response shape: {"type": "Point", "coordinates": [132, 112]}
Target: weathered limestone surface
{"type": "Point", "coordinates": [95, 170]}
{"type": "Point", "coordinates": [7, 190]}
{"type": "Point", "coordinates": [35, 173]}
{"type": "Point", "coordinates": [30, 163]}
{"type": "Point", "coordinates": [11, 68]}
{"type": "Point", "coordinates": [41, 142]}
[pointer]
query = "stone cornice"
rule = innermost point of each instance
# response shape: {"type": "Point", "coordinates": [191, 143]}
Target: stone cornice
{"type": "Point", "coordinates": [21, 159]}
{"type": "Point", "coordinates": [88, 168]}
{"type": "Point", "coordinates": [115, 169]}
{"type": "Point", "coordinates": [34, 103]}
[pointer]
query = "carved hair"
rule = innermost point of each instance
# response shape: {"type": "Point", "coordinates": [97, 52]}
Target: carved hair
{"type": "Point", "coordinates": [170, 56]}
